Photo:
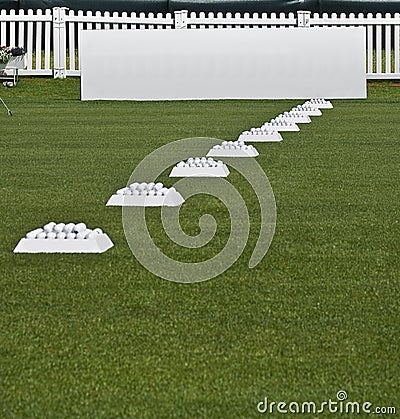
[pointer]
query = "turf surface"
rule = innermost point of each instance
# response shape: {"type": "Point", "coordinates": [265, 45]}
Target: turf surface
{"type": "Point", "coordinates": [97, 336]}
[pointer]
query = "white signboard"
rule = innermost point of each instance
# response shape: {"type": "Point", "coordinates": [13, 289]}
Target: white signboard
{"type": "Point", "coordinates": [173, 64]}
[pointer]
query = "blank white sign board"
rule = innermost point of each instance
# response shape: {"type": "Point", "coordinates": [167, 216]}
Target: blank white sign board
{"type": "Point", "coordinates": [173, 64]}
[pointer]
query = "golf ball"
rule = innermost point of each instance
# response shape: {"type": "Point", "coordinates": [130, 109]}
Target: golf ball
{"type": "Point", "coordinates": [69, 227]}
{"type": "Point", "coordinates": [80, 227]}
{"type": "Point", "coordinates": [33, 234]}
{"type": "Point", "coordinates": [88, 232]}
{"type": "Point", "coordinates": [49, 227]}
{"type": "Point", "coordinates": [81, 234]}
{"type": "Point", "coordinates": [59, 227]}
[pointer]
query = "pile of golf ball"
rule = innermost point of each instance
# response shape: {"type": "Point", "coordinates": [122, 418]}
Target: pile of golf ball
{"type": "Point", "coordinates": [145, 189]}
{"type": "Point", "coordinates": [319, 102]}
{"type": "Point", "coordinates": [200, 162]}
{"type": "Point", "coordinates": [291, 114]}
{"type": "Point", "coordinates": [259, 130]}
{"type": "Point", "coordinates": [233, 145]}
{"type": "Point", "coordinates": [64, 231]}
{"type": "Point", "coordinates": [304, 108]}
{"type": "Point", "coordinates": [277, 123]}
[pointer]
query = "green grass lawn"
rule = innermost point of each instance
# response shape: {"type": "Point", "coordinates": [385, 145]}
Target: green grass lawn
{"type": "Point", "coordinates": [98, 336]}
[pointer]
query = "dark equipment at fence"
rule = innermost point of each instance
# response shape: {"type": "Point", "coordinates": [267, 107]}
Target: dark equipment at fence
{"type": "Point", "coordinates": [233, 6]}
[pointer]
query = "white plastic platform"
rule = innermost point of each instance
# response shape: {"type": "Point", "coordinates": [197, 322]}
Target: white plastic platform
{"type": "Point", "coordinates": [257, 135]}
{"type": "Point", "coordinates": [64, 238]}
{"type": "Point", "coordinates": [233, 149]}
{"type": "Point", "coordinates": [274, 125]}
{"type": "Point", "coordinates": [146, 195]}
{"type": "Point", "coordinates": [295, 117]}
{"type": "Point", "coordinates": [307, 110]}
{"type": "Point", "coordinates": [200, 167]}
{"type": "Point", "coordinates": [319, 103]}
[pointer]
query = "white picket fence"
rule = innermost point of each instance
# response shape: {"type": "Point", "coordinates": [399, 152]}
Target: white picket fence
{"type": "Point", "coordinates": [51, 38]}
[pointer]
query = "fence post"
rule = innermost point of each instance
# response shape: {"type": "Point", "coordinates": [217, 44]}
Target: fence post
{"type": "Point", "coordinates": [59, 42]}
{"type": "Point", "coordinates": [180, 19]}
{"type": "Point", "coordinates": [303, 19]}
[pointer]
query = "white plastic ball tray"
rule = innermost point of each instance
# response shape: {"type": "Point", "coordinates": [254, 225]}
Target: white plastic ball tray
{"type": "Point", "coordinates": [319, 103]}
{"type": "Point", "coordinates": [233, 149]}
{"type": "Point", "coordinates": [257, 135]}
{"type": "Point", "coordinates": [64, 238]}
{"type": "Point", "coordinates": [275, 125]}
{"type": "Point", "coordinates": [200, 167]}
{"type": "Point", "coordinates": [146, 195]}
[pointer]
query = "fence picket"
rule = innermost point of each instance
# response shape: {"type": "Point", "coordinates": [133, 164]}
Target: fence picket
{"type": "Point", "coordinates": [370, 49]}
{"type": "Point", "coordinates": [21, 29]}
{"type": "Point", "coordinates": [396, 46]}
{"type": "Point", "coordinates": [388, 47]}
{"type": "Point", "coordinates": [3, 29]}
{"type": "Point", "coordinates": [89, 20]}
{"type": "Point", "coordinates": [12, 26]}
{"type": "Point", "coordinates": [71, 43]}
{"type": "Point", "coordinates": [38, 46]}
{"type": "Point", "coordinates": [378, 48]}
{"type": "Point", "coordinates": [47, 44]}
{"type": "Point", "coordinates": [124, 15]}
{"type": "Point", "coordinates": [107, 18]}
{"type": "Point", "coordinates": [29, 48]}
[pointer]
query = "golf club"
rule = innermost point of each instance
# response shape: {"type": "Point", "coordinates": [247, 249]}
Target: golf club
{"type": "Point", "coordinates": [8, 110]}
